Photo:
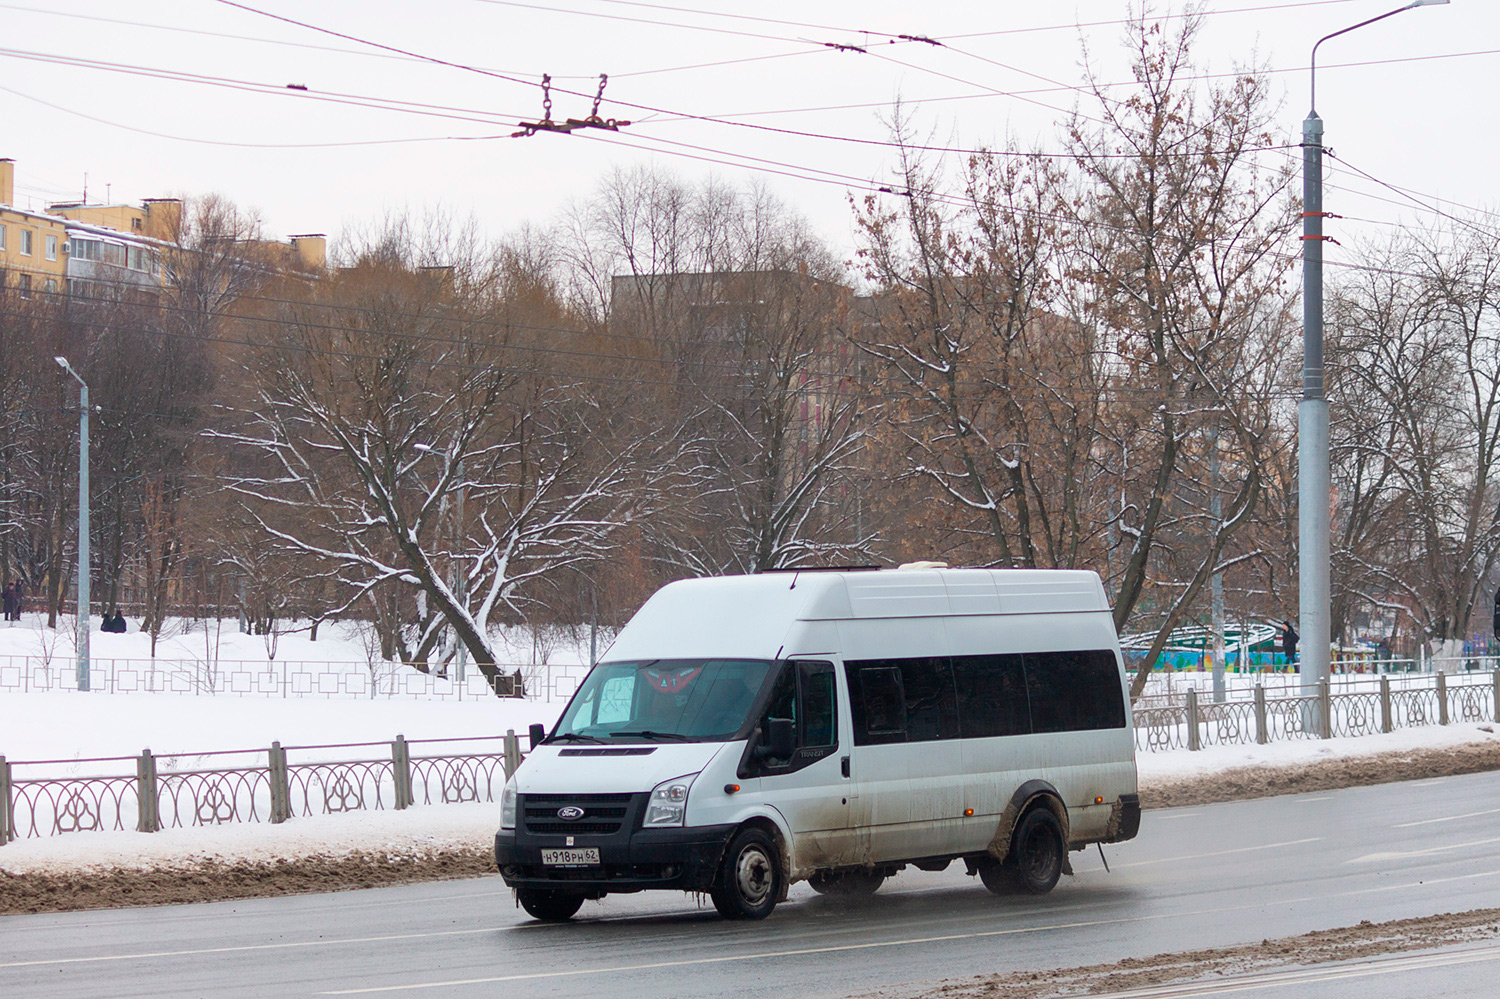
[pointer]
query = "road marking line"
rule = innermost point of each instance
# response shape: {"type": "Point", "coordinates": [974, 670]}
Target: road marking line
{"type": "Point", "coordinates": [252, 947]}
{"type": "Point", "coordinates": [1298, 799]}
{"type": "Point", "coordinates": [1221, 853]}
{"type": "Point", "coordinates": [1303, 976]}
{"type": "Point", "coordinates": [1446, 818]}
{"type": "Point", "coordinates": [1424, 882]}
{"type": "Point", "coordinates": [1371, 858]}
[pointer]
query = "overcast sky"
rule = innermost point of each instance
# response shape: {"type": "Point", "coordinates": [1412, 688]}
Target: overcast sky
{"type": "Point", "coordinates": [1427, 122]}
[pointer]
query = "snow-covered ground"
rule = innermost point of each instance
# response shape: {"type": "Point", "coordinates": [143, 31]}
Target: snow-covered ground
{"type": "Point", "coordinates": [72, 726]}
{"type": "Point", "coordinates": [187, 640]}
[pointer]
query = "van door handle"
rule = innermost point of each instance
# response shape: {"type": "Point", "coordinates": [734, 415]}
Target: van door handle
{"type": "Point", "coordinates": [844, 766]}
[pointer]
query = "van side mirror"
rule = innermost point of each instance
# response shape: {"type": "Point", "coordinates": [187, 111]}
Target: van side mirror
{"type": "Point", "coordinates": [781, 740]}
{"type": "Point", "coordinates": [538, 732]}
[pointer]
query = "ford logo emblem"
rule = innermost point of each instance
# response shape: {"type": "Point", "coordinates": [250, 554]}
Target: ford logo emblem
{"type": "Point", "coordinates": [571, 813]}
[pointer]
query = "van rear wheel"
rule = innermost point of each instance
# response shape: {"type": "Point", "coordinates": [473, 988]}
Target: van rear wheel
{"type": "Point", "coordinates": [1036, 858]}
{"type": "Point", "coordinates": [749, 881]}
{"type": "Point", "coordinates": [549, 906]}
{"type": "Point", "coordinates": [849, 884]}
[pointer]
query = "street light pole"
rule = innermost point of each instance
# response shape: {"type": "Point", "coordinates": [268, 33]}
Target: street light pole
{"type": "Point", "coordinates": [1313, 472]}
{"type": "Point", "coordinates": [82, 640]}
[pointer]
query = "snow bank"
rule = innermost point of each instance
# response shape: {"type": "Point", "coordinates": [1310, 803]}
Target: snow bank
{"type": "Point", "coordinates": [414, 833]}
{"type": "Point", "coordinates": [1180, 763]}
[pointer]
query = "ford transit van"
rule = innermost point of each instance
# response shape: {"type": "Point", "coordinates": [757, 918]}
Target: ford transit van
{"type": "Point", "coordinates": [744, 733]}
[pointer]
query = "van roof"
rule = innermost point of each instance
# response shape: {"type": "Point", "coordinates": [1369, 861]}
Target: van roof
{"type": "Point", "coordinates": [737, 614]}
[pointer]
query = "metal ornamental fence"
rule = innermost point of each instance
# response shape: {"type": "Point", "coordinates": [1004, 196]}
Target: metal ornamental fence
{"type": "Point", "coordinates": [148, 793]}
{"type": "Point", "coordinates": [1368, 706]}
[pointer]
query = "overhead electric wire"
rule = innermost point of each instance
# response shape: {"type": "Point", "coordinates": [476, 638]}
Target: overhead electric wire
{"type": "Point", "coordinates": [726, 116]}
{"type": "Point", "coordinates": [250, 86]}
{"type": "Point", "coordinates": [249, 145]}
{"type": "Point", "coordinates": [973, 34]}
{"type": "Point", "coordinates": [1490, 233]}
{"type": "Point", "coordinates": [366, 54]}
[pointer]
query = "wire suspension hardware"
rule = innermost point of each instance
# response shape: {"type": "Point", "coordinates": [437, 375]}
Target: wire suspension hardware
{"type": "Point", "coordinates": [546, 124]}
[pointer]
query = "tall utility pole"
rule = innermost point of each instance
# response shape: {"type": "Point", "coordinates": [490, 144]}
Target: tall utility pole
{"type": "Point", "coordinates": [1216, 584]}
{"type": "Point", "coordinates": [83, 523]}
{"type": "Point", "coordinates": [1313, 474]}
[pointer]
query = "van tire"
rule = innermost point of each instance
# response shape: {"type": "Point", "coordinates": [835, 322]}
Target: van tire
{"type": "Point", "coordinates": [1037, 854]}
{"type": "Point", "coordinates": [749, 881]}
{"type": "Point", "coordinates": [549, 906]}
{"type": "Point", "coordinates": [848, 884]}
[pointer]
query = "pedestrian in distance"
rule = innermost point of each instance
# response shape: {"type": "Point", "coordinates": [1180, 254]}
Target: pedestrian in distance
{"type": "Point", "coordinates": [1289, 638]}
{"type": "Point", "coordinates": [8, 600]}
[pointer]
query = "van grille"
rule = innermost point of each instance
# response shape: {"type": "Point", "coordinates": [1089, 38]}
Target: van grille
{"type": "Point", "coordinates": [603, 814]}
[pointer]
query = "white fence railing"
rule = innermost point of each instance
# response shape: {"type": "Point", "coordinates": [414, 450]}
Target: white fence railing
{"type": "Point", "coordinates": [286, 678]}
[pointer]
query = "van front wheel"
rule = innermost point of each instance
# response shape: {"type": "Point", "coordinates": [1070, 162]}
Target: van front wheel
{"type": "Point", "coordinates": [549, 906]}
{"type": "Point", "coordinates": [749, 881]}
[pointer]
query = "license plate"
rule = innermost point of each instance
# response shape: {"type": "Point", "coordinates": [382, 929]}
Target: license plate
{"type": "Point", "coordinates": [570, 858]}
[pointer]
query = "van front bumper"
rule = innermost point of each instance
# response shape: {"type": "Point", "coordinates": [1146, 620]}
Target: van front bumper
{"type": "Point", "coordinates": [686, 859]}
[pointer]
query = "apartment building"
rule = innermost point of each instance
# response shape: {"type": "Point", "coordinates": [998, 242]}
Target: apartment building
{"type": "Point", "coordinates": [91, 251]}
{"type": "Point", "coordinates": [33, 257]}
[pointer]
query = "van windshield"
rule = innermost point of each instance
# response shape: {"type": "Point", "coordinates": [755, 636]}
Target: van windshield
{"type": "Point", "coordinates": [664, 700]}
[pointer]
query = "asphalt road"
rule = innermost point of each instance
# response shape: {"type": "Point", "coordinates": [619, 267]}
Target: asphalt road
{"type": "Point", "coordinates": [1198, 877]}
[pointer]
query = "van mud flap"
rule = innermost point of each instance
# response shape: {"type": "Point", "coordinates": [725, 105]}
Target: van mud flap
{"type": "Point", "coordinates": [1124, 819]}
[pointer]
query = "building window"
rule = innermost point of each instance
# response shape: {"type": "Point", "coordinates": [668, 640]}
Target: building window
{"type": "Point", "coordinates": [85, 249]}
{"type": "Point", "coordinates": [2, 237]}
{"type": "Point", "coordinates": [25, 285]}
{"type": "Point", "coordinates": [135, 225]}
{"type": "Point", "coordinates": [137, 258]}
{"type": "Point", "coordinates": [51, 286]}
{"type": "Point", "coordinates": [25, 242]}
{"type": "Point", "coordinates": [51, 247]}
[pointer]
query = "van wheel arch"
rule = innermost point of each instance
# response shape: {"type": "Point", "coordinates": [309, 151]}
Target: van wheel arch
{"type": "Point", "coordinates": [1033, 794]}
{"type": "Point", "coordinates": [783, 849]}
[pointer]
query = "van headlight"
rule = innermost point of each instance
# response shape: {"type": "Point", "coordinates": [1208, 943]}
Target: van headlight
{"type": "Point", "coordinates": [508, 805]}
{"type": "Point", "coordinates": [668, 803]}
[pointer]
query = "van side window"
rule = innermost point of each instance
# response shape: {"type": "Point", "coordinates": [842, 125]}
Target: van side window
{"type": "Point", "coordinates": [819, 719]}
{"type": "Point", "coordinates": [991, 696]}
{"type": "Point", "coordinates": [879, 703]}
{"type": "Point", "coordinates": [931, 711]}
{"type": "Point", "coordinates": [1074, 691]}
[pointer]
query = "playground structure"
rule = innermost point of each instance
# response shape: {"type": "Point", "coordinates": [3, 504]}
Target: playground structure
{"type": "Point", "coordinates": [1253, 648]}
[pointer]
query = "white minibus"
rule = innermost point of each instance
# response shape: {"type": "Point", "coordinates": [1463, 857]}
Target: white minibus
{"type": "Point", "coordinates": [743, 733]}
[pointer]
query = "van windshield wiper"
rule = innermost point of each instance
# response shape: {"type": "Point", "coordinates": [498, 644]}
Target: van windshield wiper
{"type": "Point", "coordinates": [646, 733]}
{"type": "Point", "coordinates": [575, 737]}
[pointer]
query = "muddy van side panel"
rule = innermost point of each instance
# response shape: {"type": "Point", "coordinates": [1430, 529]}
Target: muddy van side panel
{"type": "Point", "coordinates": [1082, 765]}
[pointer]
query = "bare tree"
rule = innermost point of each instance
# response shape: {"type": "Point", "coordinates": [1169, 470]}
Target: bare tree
{"type": "Point", "coordinates": [1418, 414]}
{"type": "Point", "coordinates": [416, 439]}
{"type": "Point", "coordinates": [1080, 344]}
